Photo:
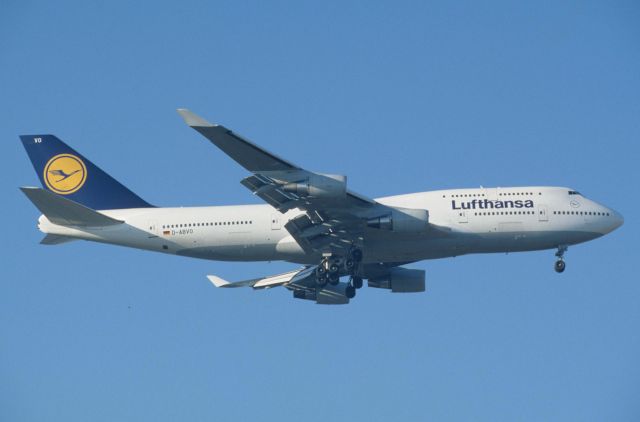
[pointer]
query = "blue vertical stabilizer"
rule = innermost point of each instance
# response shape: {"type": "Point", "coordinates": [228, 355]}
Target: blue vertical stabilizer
{"type": "Point", "coordinates": [65, 172]}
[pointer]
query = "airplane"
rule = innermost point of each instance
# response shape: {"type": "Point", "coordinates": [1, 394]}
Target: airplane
{"type": "Point", "coordinates": [309, 218]}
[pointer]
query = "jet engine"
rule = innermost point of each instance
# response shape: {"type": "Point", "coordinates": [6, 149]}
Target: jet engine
{"type": "Point", "coordinates": [400, 280]}
{"type": "Point", "coordinates": [402, 220]}
{"type": "Point", "coordinates": [328, 295]}
{"type": "Point", "coordinates": [319, 186]}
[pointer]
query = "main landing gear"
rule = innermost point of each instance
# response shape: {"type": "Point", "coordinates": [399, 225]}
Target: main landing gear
{"type": "Point", "coordinates": [333, 266]}
{"type": "Point", "coordinates": [354, 284]}
{"type": "Point", "coordinates": [560, 265]}
{"type": "Point", "coordinates": [328, 271]}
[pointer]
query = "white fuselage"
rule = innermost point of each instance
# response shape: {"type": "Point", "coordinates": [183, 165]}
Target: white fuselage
{"type": "Point", "coordinates": [478, 220]}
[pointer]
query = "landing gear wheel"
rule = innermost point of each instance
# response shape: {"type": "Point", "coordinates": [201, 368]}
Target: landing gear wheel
{"type": "Point", "coordinates": [356, 282]}
{"type": "Point", "coordinates": [560, 265]}
{"type": "Point", "coordinates": [334, 279]}
{"type": "Point", "coordinates": [356, 255]}
{"type": "Point", "coordinates": [321, 276]}
{"type": "Point", "coordinates": [350, 292]}
{"type": "Point", "coordinates": [349, 264]}
{"type": "Point", "coordinates": [321, 280]}
{"type": "Point", "coordinates": [333, 268]}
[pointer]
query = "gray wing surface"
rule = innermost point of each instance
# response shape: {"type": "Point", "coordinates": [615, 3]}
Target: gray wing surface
{"type": "Point", "coordinates": [329, 222]}
{"type": "Point", "coordinates": [248, 155]}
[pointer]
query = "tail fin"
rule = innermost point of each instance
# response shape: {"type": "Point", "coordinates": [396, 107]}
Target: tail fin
{"type": "Point", "coordinates": [64, 171]}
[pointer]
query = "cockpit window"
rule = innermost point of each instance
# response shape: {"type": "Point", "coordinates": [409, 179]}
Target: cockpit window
{"type": "Point", "coordinates": [574, 192]}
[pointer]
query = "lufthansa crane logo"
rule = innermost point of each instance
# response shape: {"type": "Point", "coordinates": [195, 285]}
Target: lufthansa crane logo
{"type": "Point", "coordinates": [65, 174]}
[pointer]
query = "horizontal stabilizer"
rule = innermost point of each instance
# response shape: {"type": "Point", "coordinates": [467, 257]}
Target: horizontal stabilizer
{"type": "Point", "coordinates": [56, 239]}
{"type": "Point", "coordinates": [65, 212]}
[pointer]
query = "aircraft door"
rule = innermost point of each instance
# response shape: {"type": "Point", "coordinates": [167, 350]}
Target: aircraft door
{"type": "Point", "coordinates": [490, 193]}
{"type": "Point", "coordinates": [462, 216]}
{"type": "Point", "coordinates": [275, 222]}
{"type": "Point", "coordinates": [153, 228]}
{"type": "Point", "coordinates": [542, 213]}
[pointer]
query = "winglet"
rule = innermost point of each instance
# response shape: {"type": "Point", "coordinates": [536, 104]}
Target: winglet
{"type": "Point", "coordinates": [193, 119]}
{"type": "Point", "coordinates": [217, 281]}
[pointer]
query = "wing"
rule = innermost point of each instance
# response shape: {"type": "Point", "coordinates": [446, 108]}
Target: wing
{"type": "Point", "coordinates": [294, 276]}
{"type": "Point", "coordinates": [334, 217]}
{"type": "Point", "coordinates": [301, 281]}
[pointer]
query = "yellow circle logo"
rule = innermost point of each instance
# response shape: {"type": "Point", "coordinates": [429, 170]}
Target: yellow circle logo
{"type": "Point", "coordinates": [65, 174]}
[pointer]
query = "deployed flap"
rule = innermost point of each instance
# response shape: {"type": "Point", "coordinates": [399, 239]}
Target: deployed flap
{"type": "Point", "coordinates": [65, 212]}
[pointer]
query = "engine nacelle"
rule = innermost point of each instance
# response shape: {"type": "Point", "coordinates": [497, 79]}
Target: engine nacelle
{"type": "Point", "coordinates": [328, 295]}
{"type": "Point", "coordinates": [401, 280]}
{"type": "Point", "coordinates": [402, 220]}
{"type": "Point", "coordinates": [320, 186]}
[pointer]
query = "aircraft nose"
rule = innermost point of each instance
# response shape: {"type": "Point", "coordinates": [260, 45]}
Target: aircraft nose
{"type": "Point", "coordinates": [617, 220]}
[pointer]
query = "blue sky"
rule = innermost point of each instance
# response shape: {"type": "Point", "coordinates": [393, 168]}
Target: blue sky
{"type": "Point", "coordinates": [402, 98]}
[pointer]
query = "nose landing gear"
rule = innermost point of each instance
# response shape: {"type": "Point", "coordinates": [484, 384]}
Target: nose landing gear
{"type": "Point", "coordinates": [560, 265]}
